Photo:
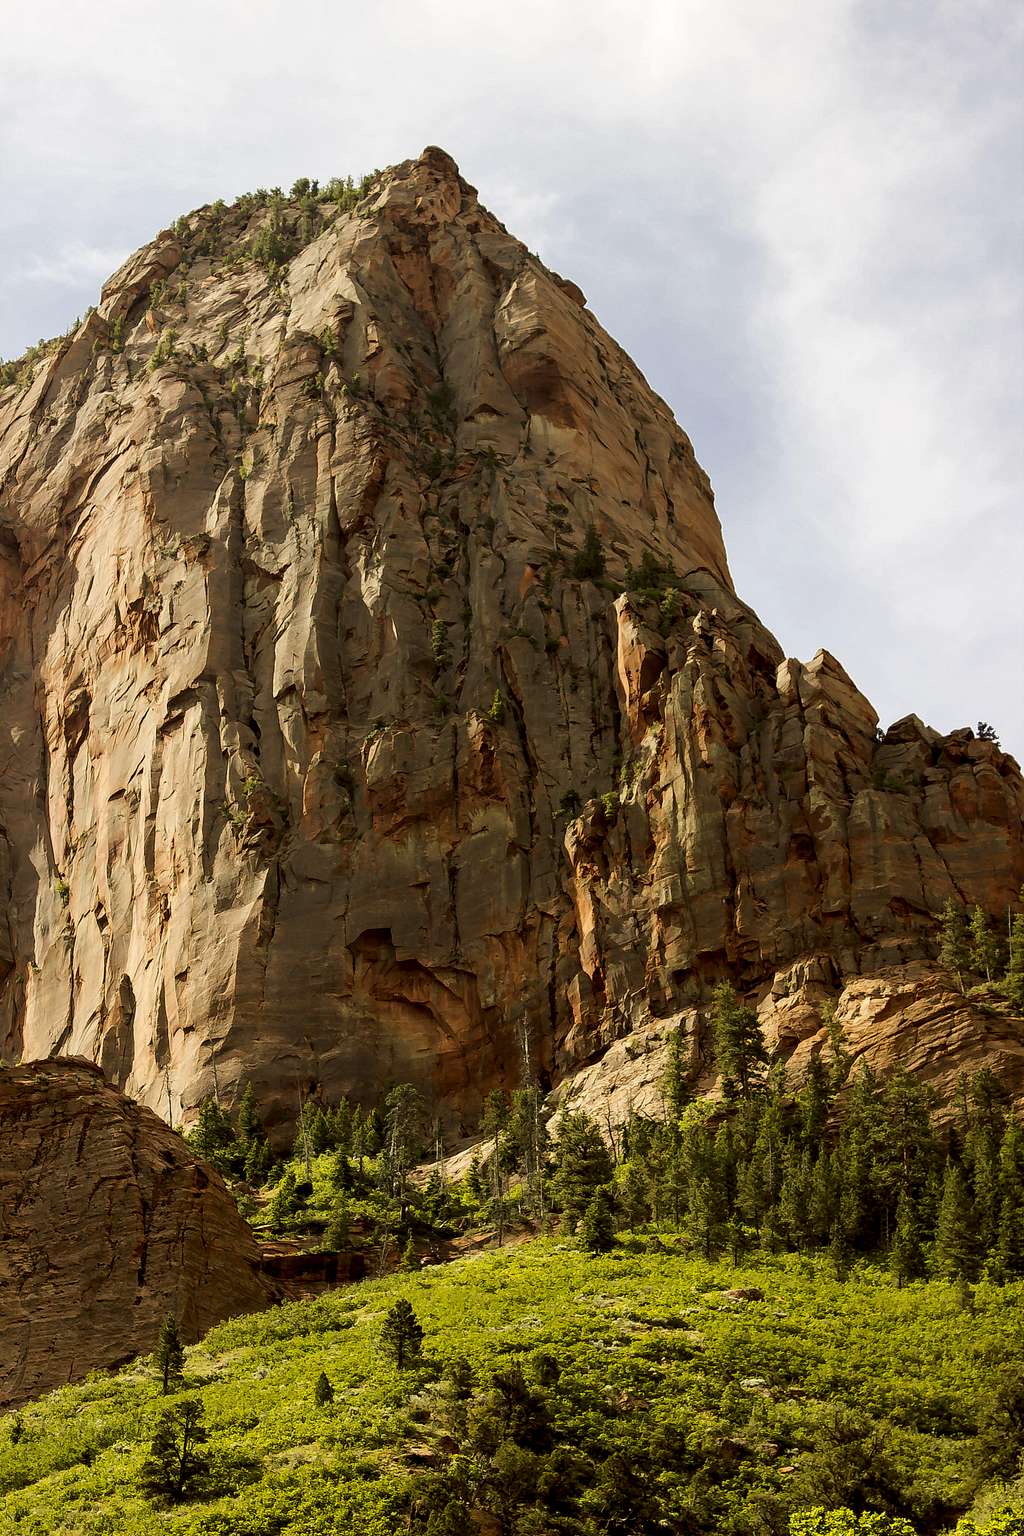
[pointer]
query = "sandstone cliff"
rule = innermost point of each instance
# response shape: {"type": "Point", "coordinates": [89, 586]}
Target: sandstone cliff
{"type": "Point", "coordinates": [329, 754]}
{"type": "Point", "coordinates": [109, 1223]}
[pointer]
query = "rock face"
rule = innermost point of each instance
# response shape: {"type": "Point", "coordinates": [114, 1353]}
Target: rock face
{"type": "Point", "coordinates": [108, 1224]}
{"type": "Point", "coordinates": [332, 751]}
{"type": "Point", "coordinates": [907, 1015]}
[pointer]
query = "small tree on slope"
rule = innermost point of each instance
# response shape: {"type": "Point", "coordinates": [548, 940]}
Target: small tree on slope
{"type": "Point", "coordinates": [169, 1355]}
{"type": "Point", "coordinates": [599, 1222]}
{"type": "Point", "coordinates": [401, 1337]}
{"type": "Point", "coordinates": [176, 1464]}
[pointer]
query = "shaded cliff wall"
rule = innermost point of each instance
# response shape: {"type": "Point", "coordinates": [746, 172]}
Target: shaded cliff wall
{"type": "Point", "coordinates": [109, 1223]}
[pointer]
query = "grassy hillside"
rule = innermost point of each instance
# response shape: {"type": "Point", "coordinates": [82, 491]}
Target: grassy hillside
{"type": "Point", "coordinates": [649, 1400]}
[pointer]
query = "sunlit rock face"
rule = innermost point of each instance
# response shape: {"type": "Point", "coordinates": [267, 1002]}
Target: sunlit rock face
{"type": "Point", "coordinates": [330, 755]}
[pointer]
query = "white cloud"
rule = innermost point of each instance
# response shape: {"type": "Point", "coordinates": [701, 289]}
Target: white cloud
{"type": "Point", "coordinates": [73, 265]}
{"type": "Point", "coordinates": [802, 220]}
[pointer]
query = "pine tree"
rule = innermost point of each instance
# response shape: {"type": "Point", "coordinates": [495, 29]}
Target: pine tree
{"type": "Point", "coordinates": [359, 1138]}
{"type": "Point", "coordinates": [527, 1134]}
{"type": "Point", "coordinates": [813, 1103]}
{"type": "Point", "coordinates": [213, 1135]}
{"type": "Point", "coordinates": [341, 1128]}
{"type": "Point", "coordinates": [259, 1160]}
{"type": "Point", "coordinates": [301, 1149]}
{"type": "Point", "coordinates": [588, 565]}
{"type": "Point", "coordinates": [405, 1118]}
{"type": "Point", "coordinates": [318, 1131]}
{"type": "Point", "coordinates": [859, 1157]}
{"type": "Point", "coordinates": [822, 1199]}
{"type": "Point", "coordinates": [338, 1231]}
{"type": "Point", "coordinates": [706, 1207]}
{"type": "Point", "coordinates": [906, 1258]}
{"type": "Point", "coordinates": [839, 1067]}
{"type": "Point", "coordinates": [283, 1203]}
{"type": "Point", "coordinates": [582, 1163]}
{"type": "Point", "coordinates": [1009, 1249]}
{"type": "Point", "coordinates": [323, 1392]}
{"type": "Point", "coordinates": [794, 1200]}
{"type": "Point", "coordinates": [676, 1084]}
{"type": "Point", "coordinates": [853, 1161]}
{"type": "Point", "coordinates": [759, 1180]}
{"type": "Point", "coordinates": [341, 1171]}
{"type": "Point", "coordinates": [735, 1239]}
{"type": "Point", "coordinates": [954, 949]}
{"type": "Point", "coordinates": [1012, 984]}
{"type": "Point", "coordinates": [493, 1121]}
{"type": "Point", "coordinates": [169, 1356]}
{"type": "Point", "coordinates": [740, 1051]}
{"type": "Point", "coordinates": [494, 1115]}
{"type": "Point", "coordinates": [598, 1230]}
{"type": "Point", "coordinates": [401, 1336]}
{"type": "Point", "coordinates": [839, 1251]}
{"type": "Point", "coordinates": [904, 1147]}
{"type": "Point", "coordinates": [250, 1126]}
{"type": "Point", "coordinates": [984, 945]}
{"type": "Point", "coordinates": [410, 1258]}
{"type": "Point", "coordinates": [434, 1197]}
{"type": "Point", "coordinates": [954, 1237]}
{"type": "Point", "coordinates": [476, 1187]}
{"type": "Point", "coordinates": [176, 1464]}
{"type": "Point", "coordinates": [982, 1158]}
{"type": "Point", "coordinates": [633, 1199]}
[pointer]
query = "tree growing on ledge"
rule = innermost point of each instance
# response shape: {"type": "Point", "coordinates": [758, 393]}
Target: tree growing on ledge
{"type": "Point", "coordinates": [954, 949]}
{"type": "Point", "coordinates": [1012, 984]}
{"type": "Point", "coordinates": [984, 945]}
{"type": "Point", "coordinates": [588, 565]}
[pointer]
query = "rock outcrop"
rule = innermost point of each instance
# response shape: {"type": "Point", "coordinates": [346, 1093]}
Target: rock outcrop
{"type": "Point", "coordinates": [375, 696]}
{"type": "Point", "coordinates": [108, 1224]}
{"type": "Point", "coordinates": [907, 1015]}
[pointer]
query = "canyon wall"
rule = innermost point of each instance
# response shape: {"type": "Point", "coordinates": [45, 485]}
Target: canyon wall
{"type": "Point", "coordinates": [375, 702]}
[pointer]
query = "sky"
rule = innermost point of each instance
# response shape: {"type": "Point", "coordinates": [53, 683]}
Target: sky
{"type": "Point", "coordinates": [803, 221]}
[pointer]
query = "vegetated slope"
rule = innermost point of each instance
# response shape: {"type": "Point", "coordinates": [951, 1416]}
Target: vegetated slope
{"type": "Point", "coordinates": [376, 691]}
{"type": "Point", "coordinates": [654, 1397]}
{"type": "Point", "coordinates": [108, 1222]}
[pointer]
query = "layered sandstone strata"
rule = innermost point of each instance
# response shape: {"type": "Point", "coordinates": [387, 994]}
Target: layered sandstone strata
{"type": "Point", "coordinates": [108, 1224]}
{"type": "Point", "coordinates": [325, 757]}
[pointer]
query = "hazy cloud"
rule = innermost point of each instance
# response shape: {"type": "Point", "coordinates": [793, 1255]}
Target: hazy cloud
{"type": "Point", "coordinates": [78, 266]}
{"type": "Point", "coordinates": [804, 222]}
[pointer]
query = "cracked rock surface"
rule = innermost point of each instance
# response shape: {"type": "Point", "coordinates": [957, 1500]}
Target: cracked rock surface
{"type": "Point", "coordinates": [328, 757]}
{"type": "Point", "coordinates": [109, 1223]}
